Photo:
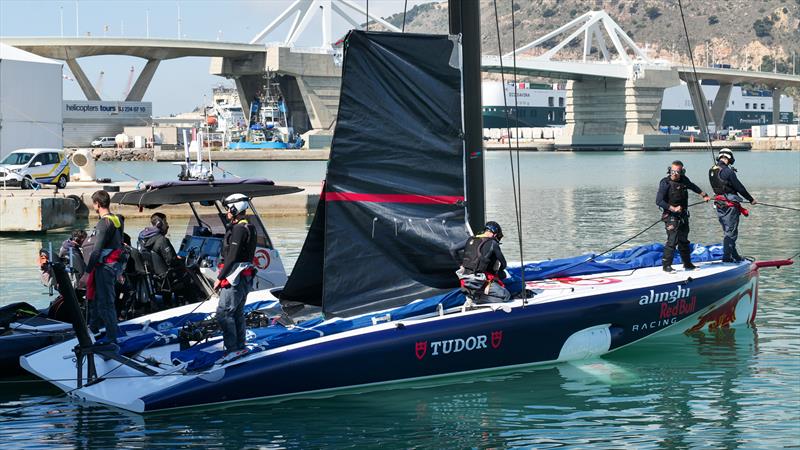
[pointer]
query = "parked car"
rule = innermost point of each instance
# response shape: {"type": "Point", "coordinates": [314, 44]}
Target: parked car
{"type": "Point", "coordinates": [107, 141]}
{"type": "Point", "coordinates": [28, 166]}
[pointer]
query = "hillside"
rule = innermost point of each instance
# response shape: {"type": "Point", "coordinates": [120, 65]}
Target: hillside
{"type": "Point", "coordinates": [746, 34]}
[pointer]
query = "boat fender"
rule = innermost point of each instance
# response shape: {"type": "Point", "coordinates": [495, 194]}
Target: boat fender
{"type": "Point", "coordinates": [586, 343]}
{"type": "Point", "coordinates": [401, 326]}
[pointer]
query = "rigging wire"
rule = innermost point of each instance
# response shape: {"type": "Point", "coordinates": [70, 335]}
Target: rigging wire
{"type": "Point", "coordinates": [516, 125]}
{"type": "Point", "coordinates": [591, 259]}
{"type": "Point", "coordinates": [405, 8]}
{"type": "Point", "coordinates": [696, 80]}
{"type": "Point", "coordinates": [778, 206]}
{"type": "Point", "coordinates": [508, 128]}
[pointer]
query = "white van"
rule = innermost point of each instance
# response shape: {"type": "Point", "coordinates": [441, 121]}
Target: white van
{"type": "Point", "coordinates": [30, 166]}
{"type": "Point", "coordinates": [108, 141]}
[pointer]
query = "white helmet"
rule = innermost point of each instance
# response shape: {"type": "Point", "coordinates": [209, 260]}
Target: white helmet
{"type": "Point", "coordinates": [727, 153]}
{"type": "Point", "coordinates": [236, 203]}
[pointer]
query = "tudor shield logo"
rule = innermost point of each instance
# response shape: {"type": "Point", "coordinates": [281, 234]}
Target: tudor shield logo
{"type": "Point", "coordinates": [421, 349]}
{"type": "Point", "coordinates": [497, 338]}
{"type": "Point", "coordinates": [458, 345]}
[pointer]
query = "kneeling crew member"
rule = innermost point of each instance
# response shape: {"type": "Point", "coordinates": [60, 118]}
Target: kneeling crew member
{"type": "Point", "coordinates": [236, 273]}
{"type": "Point", "coordinates": [483, 266]}
{"type": "Point", "coordinates": [673, 199]}
{"type": "Point", "coordinates": [728, 202]}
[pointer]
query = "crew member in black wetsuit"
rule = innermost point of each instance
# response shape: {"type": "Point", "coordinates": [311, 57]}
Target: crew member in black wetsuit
{"type": "Point", "coordinates": [673, 199]}
{"type": "Point", "coordinates": [236, 273]}
{"type": "Point", "coordinates": [482, 266]}
{"type": "Point", "coordinates": [105, 264]}
{"type": "Point", "coordinates": [728, 192]}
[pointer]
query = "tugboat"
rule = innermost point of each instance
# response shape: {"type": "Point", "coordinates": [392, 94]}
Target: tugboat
{"type": "Point", "coordinates": [269, 126]}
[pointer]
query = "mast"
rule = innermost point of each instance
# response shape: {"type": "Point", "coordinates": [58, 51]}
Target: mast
{"type": "Point", "coordinates": [465, 20]}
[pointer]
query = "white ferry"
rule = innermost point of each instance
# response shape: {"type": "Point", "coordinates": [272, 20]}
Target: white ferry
{"type": "Point", "coordinates": [542, 105]}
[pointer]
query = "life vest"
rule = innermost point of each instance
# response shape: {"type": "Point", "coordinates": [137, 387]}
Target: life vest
{"type": "Point", "coordinates": [244, 256]}
{"type": "Point", "coordinates": [678, 194]}
{"type": "Point", "coordinates": [475, 260]}
{"type": "Point", "coordinates": [719, 186]}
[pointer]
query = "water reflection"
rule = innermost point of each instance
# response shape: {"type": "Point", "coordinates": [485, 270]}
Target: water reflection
{"type": "Point", "coordinates": [726, 389]}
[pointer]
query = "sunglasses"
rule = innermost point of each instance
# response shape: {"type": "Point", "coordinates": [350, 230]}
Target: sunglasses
{"type": "Point", "coordinates": [675, 172]}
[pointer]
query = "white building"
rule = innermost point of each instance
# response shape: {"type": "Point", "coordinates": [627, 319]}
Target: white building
{"type": "Point", "coordinates": [85, 121]}
{"type": "Point", "coordinates": [30, 101]}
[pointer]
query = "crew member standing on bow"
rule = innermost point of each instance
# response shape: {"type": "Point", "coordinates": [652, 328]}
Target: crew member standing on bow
{"type": "Point", "coordinates": [236, 273]}
{"type": "Point", "coordinates": [728, 202]}
{"type": "Point", "coordinates": [482, 268]}
{"type": "Point", "coordinates": [673, 199]}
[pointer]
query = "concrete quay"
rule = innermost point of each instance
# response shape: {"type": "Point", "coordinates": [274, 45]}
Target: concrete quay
{"type": "Point", "coordinates": [716, 145]}
{"type": "Point", "coordinates": [46, 209]}
{"type": "Point", "coordinates": [249, 155]}
{"type": "Point", "coordinates": [525, 145]}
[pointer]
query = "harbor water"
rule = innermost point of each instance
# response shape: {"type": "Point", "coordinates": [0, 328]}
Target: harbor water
{"type": "Point", "coordinates": [736, 388]}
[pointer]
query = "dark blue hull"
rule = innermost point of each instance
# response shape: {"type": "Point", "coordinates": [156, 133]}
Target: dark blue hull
{"type": "Point", "coordinates": [13, 346]}
{"type": "Point", "coordinates": [534, 334]}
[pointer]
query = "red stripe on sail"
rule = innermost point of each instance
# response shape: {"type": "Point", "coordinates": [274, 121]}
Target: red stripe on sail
{"type": "Point", "coordinates": [392, 198]}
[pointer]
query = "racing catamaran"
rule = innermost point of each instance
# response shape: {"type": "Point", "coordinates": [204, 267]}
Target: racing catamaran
{"type": "Point", "coordinates": [377, 262]}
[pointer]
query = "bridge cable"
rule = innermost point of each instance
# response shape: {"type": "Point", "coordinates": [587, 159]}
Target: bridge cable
{"type": "Point", "coordinates": [696, 80]}
{"type": "Point", "coordinates": [508, 129]}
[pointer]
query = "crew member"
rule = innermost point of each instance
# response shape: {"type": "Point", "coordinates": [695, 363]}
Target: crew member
{"type": "Point", "coordinates": [728, 202]}
{"type": "Point", "coordinates": [673, 199]}
{"type": "Point", "coordinates": [235, 273]}
{"type": "Point", "coordinates": [154, 239]}
{"type": "Point", "coordinates": [75, 261]}
{"type": "Point", "coordinates": [482, 266]}
{"type": "Point", "coordinates": [105, 264]}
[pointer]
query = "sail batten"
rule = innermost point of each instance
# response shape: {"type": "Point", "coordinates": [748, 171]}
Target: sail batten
{"type": "Point", "coordinates": [393, 202]}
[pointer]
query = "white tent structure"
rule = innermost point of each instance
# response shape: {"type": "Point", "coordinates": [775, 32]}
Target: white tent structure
{"type": "Point", "coordinates": [30, 101]}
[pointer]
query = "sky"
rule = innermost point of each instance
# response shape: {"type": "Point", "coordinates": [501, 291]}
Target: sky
{"type": "Point", "coordinates": [180, 84]}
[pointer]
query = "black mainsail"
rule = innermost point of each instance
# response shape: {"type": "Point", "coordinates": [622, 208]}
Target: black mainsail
{"type": "Point", "coordinates": [393, 203]}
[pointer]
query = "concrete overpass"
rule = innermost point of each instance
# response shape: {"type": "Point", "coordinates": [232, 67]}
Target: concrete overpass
{"type": "Point", "coordinates": [69, 49]}
{"type": "Point", "coordinates": [310, 80]}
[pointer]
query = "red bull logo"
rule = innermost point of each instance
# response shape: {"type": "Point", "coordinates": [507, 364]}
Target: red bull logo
{"type": "Point", "coordinates": [722, 316]}
{"type": "Point", "coordinates": [679, 308]}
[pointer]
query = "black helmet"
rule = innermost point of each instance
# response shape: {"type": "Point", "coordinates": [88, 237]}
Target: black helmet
{"type": "Point", "coordinates": [495, 228]}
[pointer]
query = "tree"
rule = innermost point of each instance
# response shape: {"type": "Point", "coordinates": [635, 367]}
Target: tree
{"type": "Point", "coordinates": [549, 12]}
{"type": "Point", "coordinates": [763, 27]}
{"type": "Point", "coordinates": [713, 20]}
{"type": "Point", "coordinates": [653, 12]}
